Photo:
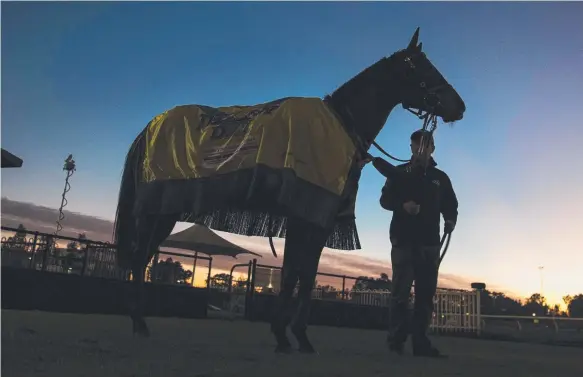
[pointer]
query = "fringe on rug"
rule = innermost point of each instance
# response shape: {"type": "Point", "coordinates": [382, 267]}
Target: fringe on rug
{"type": "Point", "coordinates": [344, 235]}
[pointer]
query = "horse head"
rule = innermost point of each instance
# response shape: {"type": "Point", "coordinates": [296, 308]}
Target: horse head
{"type": "Point", "coordinates": [425, 88]}
{"type": "Point", "coordinates": [407, 77]}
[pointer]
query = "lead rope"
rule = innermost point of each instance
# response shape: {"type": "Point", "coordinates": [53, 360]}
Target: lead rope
{"type": "Point", "coordinates": [429, 124]}
{"type": "Point", "coordinates": [270, 235]}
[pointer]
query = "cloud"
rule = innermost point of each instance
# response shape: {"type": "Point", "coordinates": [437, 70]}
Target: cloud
{"type": "Point", "coordinates": [351, 263]}
{"type": "Point", "coordinates": [43, 219]}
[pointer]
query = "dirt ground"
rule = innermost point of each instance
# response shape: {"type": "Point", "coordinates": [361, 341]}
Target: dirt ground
{"type": "Point", "coordinates": [67, 345]}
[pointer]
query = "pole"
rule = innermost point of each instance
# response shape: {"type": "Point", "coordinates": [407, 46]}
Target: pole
{"type": "Point", "coordinates": [70, 168]}
{"type": "Point", "coordinates": [541, 268]}
{"type": "Point", "coordinates": [194, 261]}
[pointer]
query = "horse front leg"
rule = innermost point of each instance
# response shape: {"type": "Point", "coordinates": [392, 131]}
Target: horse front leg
{"type": "Point", "coordinates": [289, 278]}
{"type": "Point", "coordinates": [310, 252]}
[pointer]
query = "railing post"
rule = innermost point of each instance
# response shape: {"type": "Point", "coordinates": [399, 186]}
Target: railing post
{"type": "Point", "coordinates": [85, 257]}
{"type": "Point", "coordinates": [154, 267]}
{"type": "Point", "coordinates": [208, 281]}
{"type": "Point", "coordinates": [46, 253]}
{"type": "Point", "coordinates": [33, 254]}
{"type": "Point", "coordinates": [194, 261]}
{"type": "Point", "coordinates": [252, 290]}
{"type": "Point", "coordinates": [249, 270]}
{"type": "Point", "coordinates": [248, 289]}
{"type": "Point", "coordinates": [478, 312]}
{"type": "Point", "coordinates": [344, 287]}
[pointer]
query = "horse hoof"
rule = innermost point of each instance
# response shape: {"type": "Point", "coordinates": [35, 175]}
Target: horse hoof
{"type": "Point", "coordinates": [283, 349]}
{"type": "Point", "coordinates": [305, 346]}
{"type": "Point", "coordinates": [142, 333]}
{"type": "Point", "coordinates": [141, 329]}
{"type": "Point", "coordinates": [307, 349]}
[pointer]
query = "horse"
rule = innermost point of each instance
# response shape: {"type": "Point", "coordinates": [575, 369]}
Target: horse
{"type": "Point", "coordinates": [288, 198]}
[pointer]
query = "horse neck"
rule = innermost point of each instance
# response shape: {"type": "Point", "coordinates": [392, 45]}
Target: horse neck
{"type": "Point", "coordinates": [365, 102]}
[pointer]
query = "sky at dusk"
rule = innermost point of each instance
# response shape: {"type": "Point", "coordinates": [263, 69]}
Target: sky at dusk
{"type": "Point", "coordinates": [85, 78]}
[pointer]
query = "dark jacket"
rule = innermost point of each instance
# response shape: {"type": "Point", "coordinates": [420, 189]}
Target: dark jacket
{"type": "Point", "coordinates": [432, 190]}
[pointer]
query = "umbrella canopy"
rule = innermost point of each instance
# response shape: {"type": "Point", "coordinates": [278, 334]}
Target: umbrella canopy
{"type": "Point", "coordinates": [201, 239]}
{"type": "Point", "coordinates": [9, 160]}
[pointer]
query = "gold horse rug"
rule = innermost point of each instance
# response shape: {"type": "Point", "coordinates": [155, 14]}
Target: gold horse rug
{"type": "Point", "coordinates": [245, 169]}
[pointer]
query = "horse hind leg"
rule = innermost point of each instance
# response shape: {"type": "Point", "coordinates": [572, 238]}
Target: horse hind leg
{"type": "Point", "coordinates": [151, 232]}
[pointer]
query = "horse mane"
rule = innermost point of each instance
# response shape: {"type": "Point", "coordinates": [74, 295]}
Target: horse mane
{"type": "Point", "coordinates": [363, 77]}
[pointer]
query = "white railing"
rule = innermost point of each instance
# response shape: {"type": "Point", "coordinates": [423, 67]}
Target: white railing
{"type": "Point", "coordinates": [554, 321]}
{"type": "Point", "coordinates": [456, 311]}
{"type": "Point", "coordinates": [453, 310]}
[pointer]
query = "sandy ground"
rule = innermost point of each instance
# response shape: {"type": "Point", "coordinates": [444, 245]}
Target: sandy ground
{"type": "Point", "coordinates": [67, 345]}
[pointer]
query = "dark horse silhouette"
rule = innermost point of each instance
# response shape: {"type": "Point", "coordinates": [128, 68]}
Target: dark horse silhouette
{"type": "Point", "coordinates": [362, 106]}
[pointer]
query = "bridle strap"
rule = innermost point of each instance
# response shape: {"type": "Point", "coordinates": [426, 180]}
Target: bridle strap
{"type": "Point", "coordinates": [429, 125]}
{"type": "Point", "coordinates": [387, 153]}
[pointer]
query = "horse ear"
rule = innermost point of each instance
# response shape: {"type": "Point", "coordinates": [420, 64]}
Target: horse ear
{"type": "Point", "coordinates": [414, 40]}
{"type": "Point", "coordinates": [420, 47]}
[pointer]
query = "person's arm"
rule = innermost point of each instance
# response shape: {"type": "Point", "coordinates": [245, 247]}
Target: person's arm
{"type": "Point", "coordinates": [449, 203]}
{"type": "Point", "coordinates": [391, 198]}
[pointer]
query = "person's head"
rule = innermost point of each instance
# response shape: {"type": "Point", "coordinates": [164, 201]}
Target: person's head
{"type": "Point", "coordinates": [422, 146]}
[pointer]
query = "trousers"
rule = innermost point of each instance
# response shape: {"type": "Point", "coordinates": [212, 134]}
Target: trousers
{"type": "Point", "coordinates": [410, 264]}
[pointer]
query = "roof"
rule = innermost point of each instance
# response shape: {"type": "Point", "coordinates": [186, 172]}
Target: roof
{"type": "Point", "coordinates": [9, 160]}
{"type": "Point", "coordinates": [201, 239]}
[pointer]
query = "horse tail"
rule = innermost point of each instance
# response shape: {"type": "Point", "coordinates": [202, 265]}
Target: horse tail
{"type": "Point", "coordinates": [124, 232]}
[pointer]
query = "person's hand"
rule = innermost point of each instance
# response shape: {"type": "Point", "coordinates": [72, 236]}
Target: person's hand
{"type": "Point", "coordinates": [449, 226]}
{"type": "Point", "coordinates": [364, 161]}
{"type": "Point", "coordinates": [411, 207]}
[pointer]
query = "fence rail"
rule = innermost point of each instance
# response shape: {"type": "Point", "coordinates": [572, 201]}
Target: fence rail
{"type": "Point", "coordinates": [558, 323]}
{"type": "Point", "coordinates": [454, 310]}
{"type": "Point", "coordinates": [81, 256]}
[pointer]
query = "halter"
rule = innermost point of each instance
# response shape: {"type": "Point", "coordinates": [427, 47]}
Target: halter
{"type": "Point", "coordinates": [429, 126]}
{"type": "Point", "coordinates": [431, 100]}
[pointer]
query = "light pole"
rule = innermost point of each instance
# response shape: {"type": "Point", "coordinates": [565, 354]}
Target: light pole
{"type": "Point", "coordinates": [70, 168]}
{"type": "Point", "coordinates": [541, 268]}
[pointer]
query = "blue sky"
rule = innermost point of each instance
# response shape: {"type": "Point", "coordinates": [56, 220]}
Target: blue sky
{"type": "Point", "coordinates": [85, 78]}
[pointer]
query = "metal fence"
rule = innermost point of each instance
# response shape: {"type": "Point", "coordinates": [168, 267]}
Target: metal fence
{"type": "Point", "coordinates": [80, 256]}
{"type": "Point", "coordinates": [454, 310]}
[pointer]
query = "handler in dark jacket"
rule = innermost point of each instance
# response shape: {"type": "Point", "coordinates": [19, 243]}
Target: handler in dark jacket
{"type": "Point", "coordinates": [417, 197]}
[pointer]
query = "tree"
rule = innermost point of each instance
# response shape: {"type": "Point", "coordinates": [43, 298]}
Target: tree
{"type": "Point", "coordinates": [575, 306]}
{"type": "Point", "coordinates": [326, 288]}
{"type": "Point", "coordinates": [221, 280]}
{"type": "Point", "coordinates": [19, 239]}
{"type": "Point", "coordinates": [72, 246]}
{"type": "Point", "coordinates": [368, 283]}
{"type": "Point", "coordinates": [47, 243]}
{"type": "Point", "coordinates": [537, 304]}
{"type": "Point", "coordinates": [328, 291]}
{"type": "Point", "coordinates": [240, 282]}
{"type": "Point", "coordinates": [170, 272]}
{"type": "Point", "coordinates": [361, 283]}
{"type": "Point", "coordinates": [497, 303]}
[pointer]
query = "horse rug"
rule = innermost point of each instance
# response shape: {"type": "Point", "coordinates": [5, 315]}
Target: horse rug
{"type": "Point", "coordinates": [245, 169]}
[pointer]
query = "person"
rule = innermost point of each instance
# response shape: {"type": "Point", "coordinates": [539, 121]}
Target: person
{"type": "Point", "coordinates": [417, 194]}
